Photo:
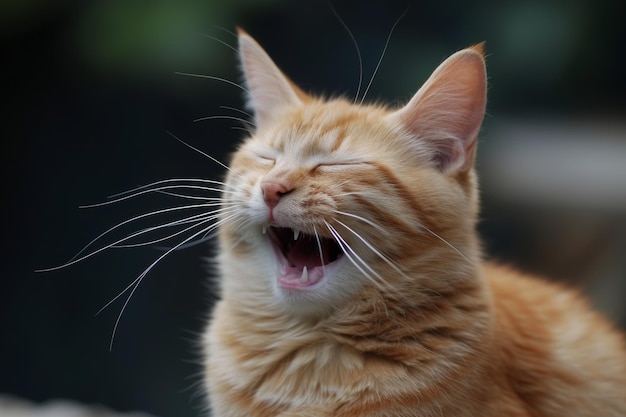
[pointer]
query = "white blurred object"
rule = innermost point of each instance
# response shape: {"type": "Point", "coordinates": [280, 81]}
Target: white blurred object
{"type": "Point", "coordinates": [580, 165]}
{"type": "Point", "coordinates": [11, 406]}
{"type": "Point", "coordinates": [564, 182]}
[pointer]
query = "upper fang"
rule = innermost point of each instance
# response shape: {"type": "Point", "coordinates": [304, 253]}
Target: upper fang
{"type": "Point", "coordinates": [264, 229]}
{"type": "Point", "coordinates": [296, 234]}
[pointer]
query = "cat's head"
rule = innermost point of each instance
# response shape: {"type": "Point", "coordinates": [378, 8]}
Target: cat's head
{"type": "Point", "coordinates": [328, 197]}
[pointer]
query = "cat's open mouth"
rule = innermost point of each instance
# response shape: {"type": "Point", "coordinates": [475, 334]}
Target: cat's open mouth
{"type": "Point", "coordinates": [303, 259]}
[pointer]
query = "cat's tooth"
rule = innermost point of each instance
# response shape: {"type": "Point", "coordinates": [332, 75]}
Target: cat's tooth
{"type": "Point", "coordinates": [264, 229]}
{"type": "Point", "coordinates": [305, 275]}
{"type": "Point", "coordinates": [296, 234]}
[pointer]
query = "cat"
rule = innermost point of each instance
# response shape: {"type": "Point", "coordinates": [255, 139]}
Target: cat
{"type": "Point", "coordinates": [351, 277]}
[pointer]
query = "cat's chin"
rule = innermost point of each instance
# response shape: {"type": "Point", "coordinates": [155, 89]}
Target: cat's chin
{"type": "Point", "coordinates": [304, 262]}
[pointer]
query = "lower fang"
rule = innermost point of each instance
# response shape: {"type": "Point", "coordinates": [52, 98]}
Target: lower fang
{"type": "Point", "coordinates": [305, 275]}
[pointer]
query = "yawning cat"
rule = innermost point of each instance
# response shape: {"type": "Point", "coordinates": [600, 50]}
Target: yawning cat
{"type": "Point", "coordinates": [351, 277]}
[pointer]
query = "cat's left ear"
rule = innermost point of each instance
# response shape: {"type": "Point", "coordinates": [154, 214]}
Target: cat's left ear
{"type": "Point", "coordinates": [269, 90]}
{"type": "Point", "coordinates": [447, 111]}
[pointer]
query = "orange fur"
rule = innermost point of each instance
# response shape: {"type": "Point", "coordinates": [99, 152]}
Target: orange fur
{"type": "Point", "coordinates": [415, 324]}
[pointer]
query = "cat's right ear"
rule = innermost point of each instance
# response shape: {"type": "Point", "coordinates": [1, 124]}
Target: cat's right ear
{"type": "Point", "coordinates": [268, 90]}
{"type": "Point", "coordinates": [446, 113]}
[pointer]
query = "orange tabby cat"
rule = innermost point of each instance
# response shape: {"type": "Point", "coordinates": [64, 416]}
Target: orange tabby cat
{"type": "Point", "coordinates": [351, 274]}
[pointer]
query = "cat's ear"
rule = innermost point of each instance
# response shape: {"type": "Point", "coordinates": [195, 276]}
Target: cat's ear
{"type": "Point", "coordinates": [269, 90]}
{"type": "Point", "coordinates": [447, 111]}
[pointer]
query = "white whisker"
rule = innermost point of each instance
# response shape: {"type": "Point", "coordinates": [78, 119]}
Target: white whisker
{"type": "Point", "coordinates": [363, 219]}
{"type": "Point", "coordinates": [356, 45]}
{"type": "Point", "coordinates": [373, 249]}
{"type": "Point", "coordinates": [223, 29]}
{"type": "Point", "coordinates": [157, 189]}
{"type": "Point", "coordinates": [174, 180]}
{"type": "Point", "coordinates": [354, 257]}
{"type": "Point", "coordinates": [134, 281]}
{"type": "Point", "coordinates": [189, 197]}
{"type": "Point", "coordinates": [212, 77]}
{"type": "Point", "coordinates": [319, 247]}
{"type": "Point", "coordinates": [208, 232]}
{"type": "Point", "coordinates": [198, 219]}
{"type": "Point", "coordinates": [203, 154]}
{"type": "Point", "coordinates": [238, 111]}
{"type": "Point", "coordinates": [244, 129]}
{"type": "Point", "coordinates": [135, 284]}
{"type": "Point", "coordinates": [449, 244]}
{"type": "Point", "coordinates": [219, 40]}
{"type": "Point", "coordinates": [385, 258]}
{"type": "Point", "coordinates": [382, 56]}
{"type": "Point", "coordinates": [239, 119]}
{"type": "Point", "coordinates": [77, 258]}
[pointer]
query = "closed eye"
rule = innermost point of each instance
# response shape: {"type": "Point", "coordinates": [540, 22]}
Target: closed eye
{"type": "Point", "coordinates": [265, 160]}
{"type": "Point", "coordinates": [343, 164]}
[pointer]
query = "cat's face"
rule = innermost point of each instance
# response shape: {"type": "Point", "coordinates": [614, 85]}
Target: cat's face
{"type": "Point", "coordinates": [328, 196]}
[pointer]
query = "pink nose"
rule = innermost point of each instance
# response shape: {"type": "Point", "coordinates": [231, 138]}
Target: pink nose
{"type": "Point", "coordinates": [273, 191]}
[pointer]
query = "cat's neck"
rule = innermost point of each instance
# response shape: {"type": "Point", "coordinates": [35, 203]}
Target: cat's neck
{"type": "Point", "coordinates": [452, 315]}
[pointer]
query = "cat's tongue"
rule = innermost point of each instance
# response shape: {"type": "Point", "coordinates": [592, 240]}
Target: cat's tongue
{"type": "Point", "coordinates": [300, 278]}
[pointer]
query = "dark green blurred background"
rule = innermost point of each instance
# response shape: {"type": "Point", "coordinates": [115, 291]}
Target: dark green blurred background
{"type": "Point", "coordinates": [90, 90]}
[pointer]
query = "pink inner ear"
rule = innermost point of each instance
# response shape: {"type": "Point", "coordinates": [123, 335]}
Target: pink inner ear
{"type": "Point", "coordinates": [269, 90]}
{"type": "Point", "coordinates": [449, 153]}
{"type": "Point", "coordinates": [446, 113]}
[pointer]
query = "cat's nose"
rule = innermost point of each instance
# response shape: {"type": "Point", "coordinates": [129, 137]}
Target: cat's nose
{"type": "Point", "coordinates": [273, 191]}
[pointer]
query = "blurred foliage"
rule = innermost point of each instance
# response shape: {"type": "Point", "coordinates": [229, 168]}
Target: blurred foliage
{"type": "Point", "coordinates": [567, 51]}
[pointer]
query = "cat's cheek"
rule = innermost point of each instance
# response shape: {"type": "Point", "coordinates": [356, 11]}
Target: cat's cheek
{"type": "Point", "coordinates": [255, 213]}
